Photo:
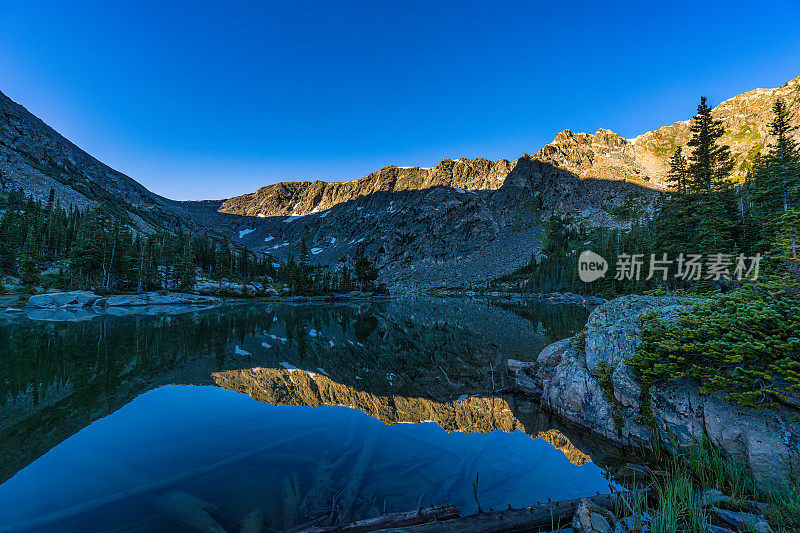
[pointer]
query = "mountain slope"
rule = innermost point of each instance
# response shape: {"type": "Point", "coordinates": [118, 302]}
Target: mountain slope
{"type": "Point", "coordinates": [303, 197]}
{"type": "Point", "coordinates": [444, 235]}
{"type": "Point", "coordinates": [36, 158]}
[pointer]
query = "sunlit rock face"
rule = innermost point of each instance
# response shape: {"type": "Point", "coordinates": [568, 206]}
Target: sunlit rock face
{"type": "Point", "coordinates": [304, 197]}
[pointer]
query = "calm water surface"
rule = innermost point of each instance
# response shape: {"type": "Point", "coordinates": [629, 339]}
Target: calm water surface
{"type": "Point", "coordinates": [136, 422]}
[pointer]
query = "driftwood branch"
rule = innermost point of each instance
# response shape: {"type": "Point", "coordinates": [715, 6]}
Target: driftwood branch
{"type": "Point", "coordinates": [475, 492]}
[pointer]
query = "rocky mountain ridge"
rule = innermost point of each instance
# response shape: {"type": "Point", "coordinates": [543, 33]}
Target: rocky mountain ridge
{"type": "Point", "coordinates": [601, 155]}
{"type": "Point", "coordinates": [444, 235]}
{"type": "Point", "coordinates": [304, 197]}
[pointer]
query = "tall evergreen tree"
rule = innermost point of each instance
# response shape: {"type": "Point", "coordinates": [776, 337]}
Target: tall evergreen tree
{"type": "Point", "coordinates": [678, 173]}
{"type": "Point", "coordinates": [365, 273]}
{"type": "Point", "coordinates": [773, 184]}
{"type": "Point", "coordinates": [784, 156]}
{"type": "Point", "coordinates": [710, 166]}
{"type": "Point", "coordinates": [710, 162]}
{"type": "Point", "coordinates": [28, 265]}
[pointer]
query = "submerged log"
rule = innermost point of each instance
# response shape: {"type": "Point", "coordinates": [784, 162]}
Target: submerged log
{"type": "Point", "coordinates": [318, 499]}
{"type": "Point", "coordinates": [290, 500]}
{"type": "Point", "coordinates": [252, 523]}
{"type": "Point", "coordinates": [543, 517]}
{"type": "Point", "coordinates": [394, 520]}
{"type": "Point", "coordinates": [346, 502]}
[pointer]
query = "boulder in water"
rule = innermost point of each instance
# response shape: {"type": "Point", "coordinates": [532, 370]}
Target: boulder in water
{"type": "Point", "coordinates": [189, 512]}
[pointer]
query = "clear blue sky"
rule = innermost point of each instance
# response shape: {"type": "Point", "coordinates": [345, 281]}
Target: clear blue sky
{"type": "Point", "coordinates": [213, 99]}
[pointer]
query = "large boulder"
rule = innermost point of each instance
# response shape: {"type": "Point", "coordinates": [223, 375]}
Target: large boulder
{"type": "Point", "coordinates": [587, 381]}
{"type": "Point", "coordinates": [63, 299]}
{"type": "Point", "coordinates": [590, 518]}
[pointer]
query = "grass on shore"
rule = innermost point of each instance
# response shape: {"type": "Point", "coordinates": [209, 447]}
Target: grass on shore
{"type": "Point", "coordinates": [676, 505]}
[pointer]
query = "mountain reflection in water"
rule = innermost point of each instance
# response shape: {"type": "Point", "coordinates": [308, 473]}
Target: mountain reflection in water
{"type": "Point", "coordinates": [411, 360]}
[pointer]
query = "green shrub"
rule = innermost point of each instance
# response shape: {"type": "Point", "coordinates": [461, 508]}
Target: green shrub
{"type": "Point", "coordinates": [743, 345]}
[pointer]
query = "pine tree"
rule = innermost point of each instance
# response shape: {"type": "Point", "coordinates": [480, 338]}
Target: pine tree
{"type": "Point", "coordinates": [773, 184]}
{"type": "Point", "coordinates": [28, 265]}
{"type": "Point", "coordinates": [678, 173]}
{"type": "Point", "coordinates": [710, 165]}
{"type": "Point", "coordinates": [710, 162]}
{"type": "Point", "coordinates": [676, 217]}
{"type": "Point", "coordinates": [6, 258]}
{"type": "Point", "coordinates": [302, 255]}
{"type": "Point", "coordinates": [50, 200]}
{"type": "Point", "coordinates": [186, 270]}
{"type": "Point", "coordinates": [365, 273]}
{"type": "Point", "coordinates": [784, 156]}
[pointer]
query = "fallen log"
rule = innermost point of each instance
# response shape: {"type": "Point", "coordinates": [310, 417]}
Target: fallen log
{"type": "Point", "coordinates": [542, 517]}
{"type": "Point", "coordinates": [393, 520]}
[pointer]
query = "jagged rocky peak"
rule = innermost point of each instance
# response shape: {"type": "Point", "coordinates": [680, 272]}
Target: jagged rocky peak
{"type": "Point", "coordinates": [602, 155]}
{"type": "Point", "coordinates": [301, 198]}
{"type": "Point", "coordinates": [579, 150]}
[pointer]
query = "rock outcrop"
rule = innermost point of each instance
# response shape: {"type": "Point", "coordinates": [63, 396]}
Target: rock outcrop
{"type": "Point", "coordinates": [590, 518]}
{"type": "Point", "coordinates": [586, 381]}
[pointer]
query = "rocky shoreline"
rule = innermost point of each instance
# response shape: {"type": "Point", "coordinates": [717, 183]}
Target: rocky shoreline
{"type": "Point", "coordinates": [88, 299]}
{"type": "Point", "coordinates": [586, 381]}
{"type": "Point", "coordinates": [590, 302]}
{"type": "Point", "coordinates": [84, 305]}
{"type": "Point", "coordinates": [353, 296]}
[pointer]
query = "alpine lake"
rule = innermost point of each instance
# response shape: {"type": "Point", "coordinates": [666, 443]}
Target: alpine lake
{"type": "Point", "coordinates": [185, 418]}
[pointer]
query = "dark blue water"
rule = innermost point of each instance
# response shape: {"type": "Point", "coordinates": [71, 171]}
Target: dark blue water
{"type": "Point", "coordinates": [94, 438]}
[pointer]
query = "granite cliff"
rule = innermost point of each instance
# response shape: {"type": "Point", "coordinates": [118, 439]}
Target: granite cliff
{"type": "Point", "coordinates": [587, 381]}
